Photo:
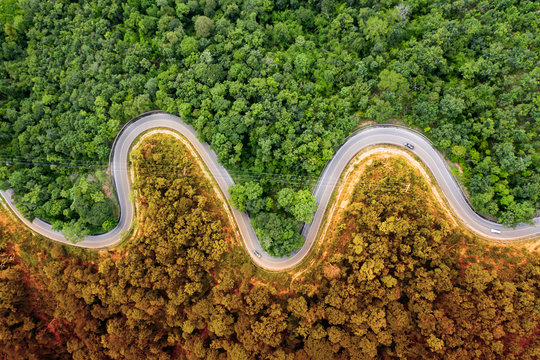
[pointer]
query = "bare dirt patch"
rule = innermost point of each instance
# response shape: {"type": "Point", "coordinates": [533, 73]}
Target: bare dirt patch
{"type": "Point", "coordinates": [274, 286]}
{"type": "Point", "coordinates": [365, 123]}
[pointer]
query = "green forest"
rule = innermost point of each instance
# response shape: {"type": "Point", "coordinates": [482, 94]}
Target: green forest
{"type": "Point", "coordinates": [274, 86]}
{"type": "Point", "coordinates": [398, 283]}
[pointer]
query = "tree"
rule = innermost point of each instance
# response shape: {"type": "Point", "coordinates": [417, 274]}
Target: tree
{"type": "Point", "coordinates": [394, 82]}
{"type": "Point", "coordinates": [278, 235]}
{"type": "Point", "coordinates": [247, 196]}
{"type": "Point", "coordinates": [188, 46]}
{"type": "Point", "coordinates": [204, 26]}
{"type": "Point", "coordinates": [301, 204]}
{"type": "Point", "coordinates": [238, 196]}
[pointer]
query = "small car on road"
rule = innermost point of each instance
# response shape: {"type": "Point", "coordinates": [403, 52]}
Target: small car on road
{"type": "Point", "coordinates": [495, 231]}
{"type": "Point", "coordinates": [257, 254]}
{"type": "Point", "coordinates": [409, 146]}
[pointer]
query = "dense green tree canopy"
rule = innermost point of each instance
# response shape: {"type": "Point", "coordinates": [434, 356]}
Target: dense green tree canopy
{"type": "Point", "coordinates": [274, 86]}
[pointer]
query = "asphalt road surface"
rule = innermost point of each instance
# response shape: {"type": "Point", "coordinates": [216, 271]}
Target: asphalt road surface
{"type": "Point", "coordinates": [376, 135]}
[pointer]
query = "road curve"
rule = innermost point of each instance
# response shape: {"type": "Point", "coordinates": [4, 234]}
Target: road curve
{"type": "Point", "coordinates": [376, 135]}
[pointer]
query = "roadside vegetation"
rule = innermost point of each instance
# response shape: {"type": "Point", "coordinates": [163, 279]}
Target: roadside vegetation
{"type": "Point", "coordinates": [394, 281]}
{"type": "Point", "coordinates": [274, 87]}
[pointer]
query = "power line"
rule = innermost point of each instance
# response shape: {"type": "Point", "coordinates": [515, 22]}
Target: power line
{"type": "Point", "coordinates": [167, 169]}
{"type": "Point", "coordinates": [10, 161]}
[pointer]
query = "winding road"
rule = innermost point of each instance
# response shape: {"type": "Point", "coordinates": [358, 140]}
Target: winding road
{"type": "Point", "coordinates": [376, 135]}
